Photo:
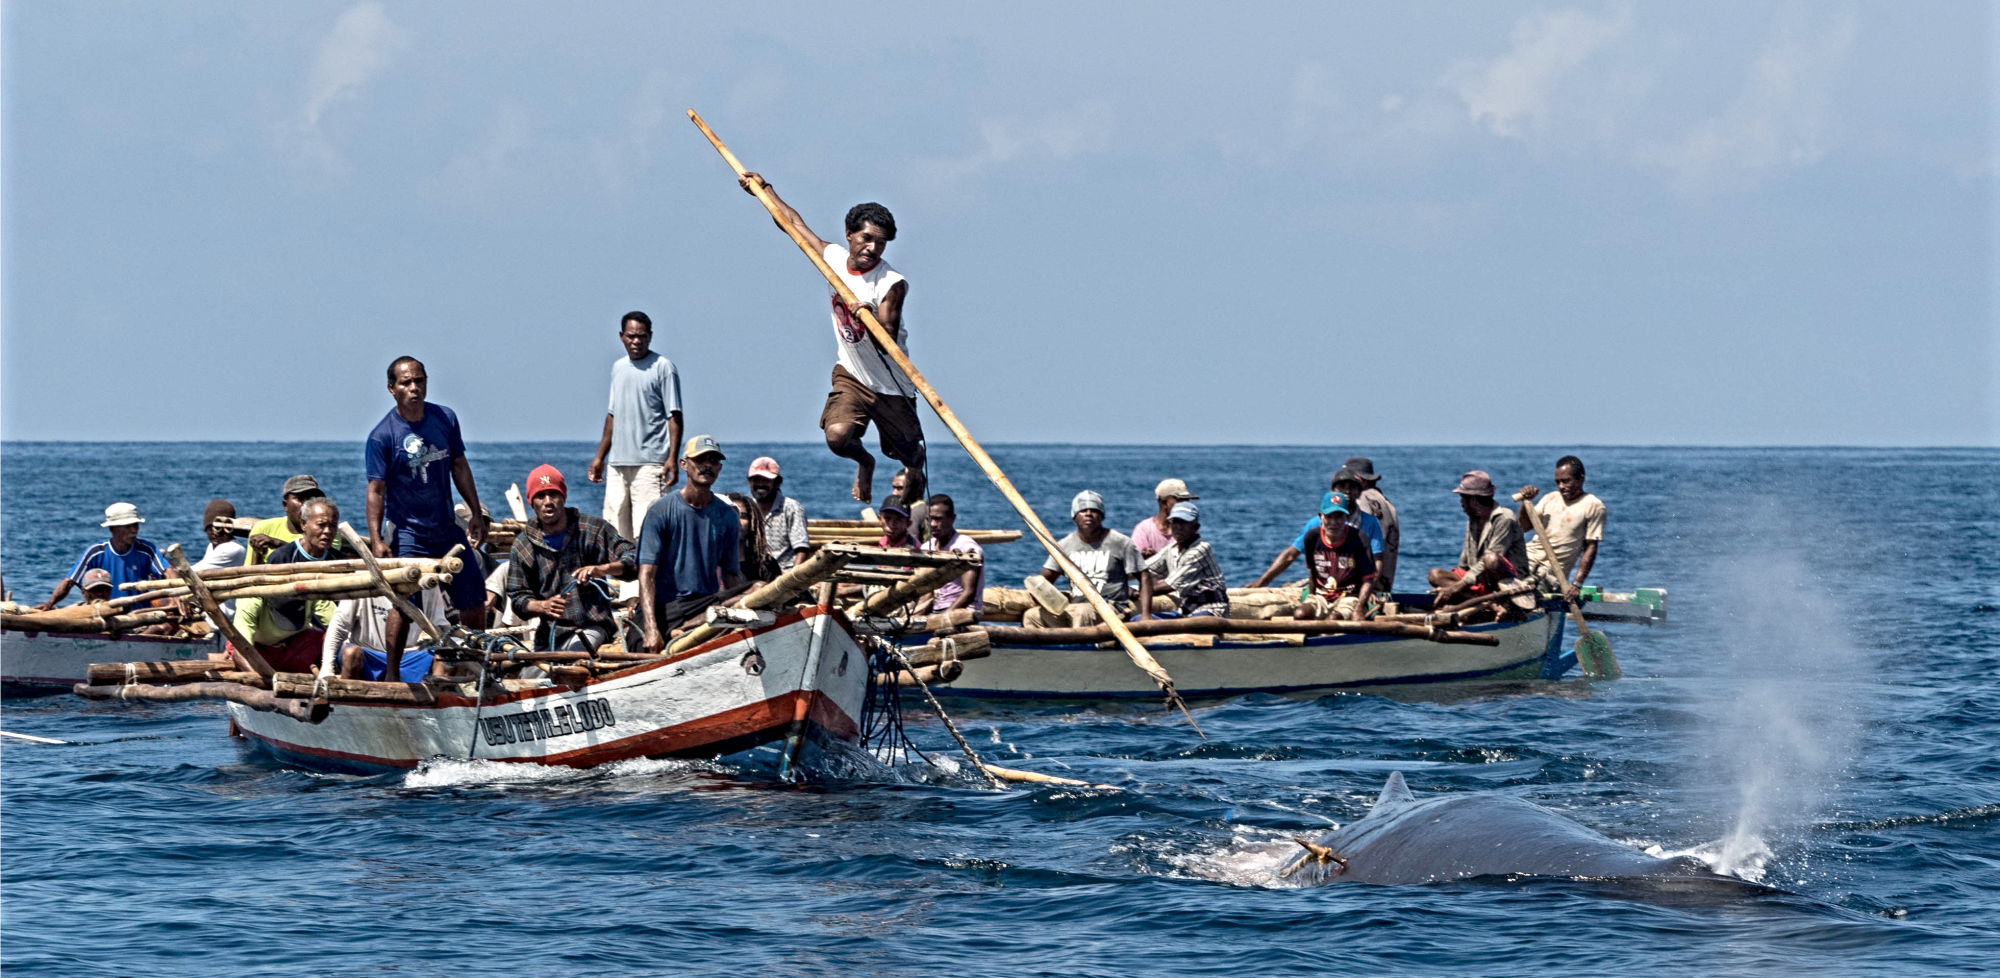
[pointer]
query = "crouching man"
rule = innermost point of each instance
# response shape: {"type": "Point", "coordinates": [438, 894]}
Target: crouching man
{"type": "Point", "coordinates": [558, 566]}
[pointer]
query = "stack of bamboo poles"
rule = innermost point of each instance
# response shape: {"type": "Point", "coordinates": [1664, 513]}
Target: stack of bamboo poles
{"type": "Point", "coordinates": [1009, 604]}
{"type": "Point", "coordinates": [868, 531]}
{"type": "Point", "coordinates": [96, 617]}
{"type": "Point", "coordinates": [908, 576]}
{"type": "Point", "coordinates": [327, 580]}
{"type": "Point", "coordinates": [500, 534]}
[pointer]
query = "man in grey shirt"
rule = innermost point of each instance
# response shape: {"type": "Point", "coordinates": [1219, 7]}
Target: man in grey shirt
{"type": "Point", "coordinates": [1106, 556]}
{"type": "Point", "coordinates": [642, 428]}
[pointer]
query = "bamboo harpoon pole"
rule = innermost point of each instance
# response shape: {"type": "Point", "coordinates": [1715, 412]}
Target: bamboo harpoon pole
{"type": "Point", "coordinates": [1138, 654]}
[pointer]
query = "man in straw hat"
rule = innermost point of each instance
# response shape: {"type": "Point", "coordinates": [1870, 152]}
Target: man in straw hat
{"type": "Point", "coordinates": [124, 558]}
{"type": "Point", "coordinates": [1494, 553]}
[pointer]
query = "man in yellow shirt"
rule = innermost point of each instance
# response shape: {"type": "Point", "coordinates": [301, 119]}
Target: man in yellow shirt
{"type": "Point", "coordinates": [269, 535]}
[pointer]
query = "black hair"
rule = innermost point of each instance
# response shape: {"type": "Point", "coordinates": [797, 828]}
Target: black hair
{"type": "Point", "coordinates": [399, 361]}
{"type": "Point", "coordinates": [1573, 462]}
{"type": "Point", "coordinates": [635, 316]}
{"type": "Point", "coordinates": [871, 213]}
{"type": "Point", "coordinates": [942, 500]}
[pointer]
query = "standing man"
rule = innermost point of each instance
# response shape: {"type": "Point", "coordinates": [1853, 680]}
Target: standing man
{"type": "Point", "coordinates": [968, 590]}
{"type": "Point", "coordinates": [785, 538]}
{"type": "Point", "coordinates": [1370, 501]}
{"type": "Point", "coordinates": [1574, 521]}
{"type": "Point", "coordinates": [1152, 535]}
{"type": "Point", "coordinates": [1105, 556]}
{"type": "Point", "coordinates": [642, 429]}
{"type": "Point", "coordinates": [415, 455]}
{"type": "Point", "coordinates": [553, 570]}
{"type": "Point", "coordinates": [688, 547]}
{"type": "Point", "coordinates": [1493, 555]}
{"type": "Point", "coordinates": [124, 557]}
{"type": "Point", "coordinates": [867, 384]}
{"type": "Point", "coordinates": [270, 534]}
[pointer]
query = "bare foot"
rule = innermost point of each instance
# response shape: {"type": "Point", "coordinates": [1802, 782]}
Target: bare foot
{"type": "Point", "coordinates": [864, 481]}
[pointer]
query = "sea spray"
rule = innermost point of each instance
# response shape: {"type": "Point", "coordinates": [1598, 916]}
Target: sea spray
{"type": "Point", "coordinates": [1789, 676]}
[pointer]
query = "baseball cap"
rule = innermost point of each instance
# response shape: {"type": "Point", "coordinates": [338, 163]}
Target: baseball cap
{"type": "Point", "coordinates": [895, 506]}
{"type": "Point", "coordinates": [1185, 511]}
{"type": "Point", "coordinates": [121, 514]}
{"type": "Point", "coordinates": [1086, 500]}
{"type": "Point", "coordinates": [544, 478]}
{"type": "Point", "coordinates": [701, 445]}
{"type": "Point", "coordinates": [96, 577]}
{"type": "Point", "coordinates": [1172, 489]}
{"type": "Point", "coordinates": [765, 466]}
{"type": "Point", "coordinates": [1334, 502]}
{"type": "Point", "coordinates": [1364, 469]}
{"type": "Point", "coordinates": [1346, 474]}
{"type": "Point", "coordinates": [303, 485]}
{"type": "Point", "coordinates": [1475, 483]}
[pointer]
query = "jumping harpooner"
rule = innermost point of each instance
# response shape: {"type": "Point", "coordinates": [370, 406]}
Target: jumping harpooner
{"type": "Point", "coordinates": [867, 384]}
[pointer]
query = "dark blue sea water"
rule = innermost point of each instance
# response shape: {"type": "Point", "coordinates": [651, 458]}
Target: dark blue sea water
{"type": "Point", "coordinates": [1821, 713]}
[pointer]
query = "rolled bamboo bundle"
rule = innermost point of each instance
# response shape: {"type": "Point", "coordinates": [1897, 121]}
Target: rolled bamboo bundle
{"type": "Point", "coordinates": [291, 684]}
{"type": "Point", "coordinates": [301, 710]}
{"type": "Point", "coordinates": [1009, 603]}
{"type": "Point", "coordinates": [817, 535]}
{"type": "Point", "coordinates": [1181, 627]}
{"type": "Point", "coordinates": [267, 573]}
{"type": "Point", "coordinates": [113, 673]}
{"type": "Point", "coordinates": [100, 620]}
{"type": "Point", "coordinates": [943, 672]}
{"type": "Point", "coordinates": [974, 644]}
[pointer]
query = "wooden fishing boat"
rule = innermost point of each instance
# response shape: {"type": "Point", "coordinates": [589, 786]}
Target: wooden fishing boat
{"type": "Point", "coordinates": [41, 663]}
{"type": "Point", "coordinates": [1259, 656]}
{"type": "Point", "coordinates": [804, 676]}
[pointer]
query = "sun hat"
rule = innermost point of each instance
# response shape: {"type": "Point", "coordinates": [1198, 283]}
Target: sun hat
{"type": "Point", "coordinates": [1363, 468]}
{"type": "Point", "coordinates": [1172, 489]}
{"type": "Point", "coordinates": [1086, 500]}
{"type": "Point", "coordinates": [1475, 483]}
{"type": "Point", "coordinates": [1334, 502]}
{"type": "Point", "coordinates": [121, 514]}
{"type": "Point", "coordinates": [765, 466]}
{"type": "Point", "coordinates": [1185, 511]}
{"type": "Point", "coordinates": [546, 478]}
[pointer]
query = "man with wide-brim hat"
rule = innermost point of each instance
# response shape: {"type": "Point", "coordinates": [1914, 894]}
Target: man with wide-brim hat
{"type": "Point", "coordinates": [1368, 498]}
{"type": "Point", "coordinates": [124, 557]}
{"type": "Point", "coordinates": [689, 554]}
{"type": "Point", "coordinates": [1495, 553]}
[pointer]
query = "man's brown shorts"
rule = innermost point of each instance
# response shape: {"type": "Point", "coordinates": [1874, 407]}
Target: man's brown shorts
{"type": "Point", "coordinates": [852, 402]}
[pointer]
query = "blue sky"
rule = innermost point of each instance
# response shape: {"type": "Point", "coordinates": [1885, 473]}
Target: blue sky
{"type": "Point", "coordinates": [1686, 223]}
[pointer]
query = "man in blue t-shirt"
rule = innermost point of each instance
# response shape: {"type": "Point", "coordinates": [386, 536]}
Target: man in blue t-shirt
{"type": "Point", "coordinates": [415, 455]}
{"type": "Point", "coordinates": [124, 557]}
{"type": "Point", "coordinates": [688, 553]}
{"type": "Point", "coordinates": [1349, 485]}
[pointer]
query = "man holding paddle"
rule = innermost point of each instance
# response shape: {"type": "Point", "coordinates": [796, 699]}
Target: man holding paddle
{"type": "Point", "coordinates": [867, 384]}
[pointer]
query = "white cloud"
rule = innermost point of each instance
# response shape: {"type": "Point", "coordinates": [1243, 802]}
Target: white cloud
{"type": "Point", "coordinates": [360, 45]}
{"type": "Point", "coordinates": [1512, 92]}
{"type": "Point", "coordinates": [1783, 119]}
{"type": "Point", "coordinates": [1079, 131]}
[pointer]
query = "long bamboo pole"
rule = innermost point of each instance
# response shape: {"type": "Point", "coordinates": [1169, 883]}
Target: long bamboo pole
{"type": "Point", "coordinates": [246, 653]}
{"type": "Point", "coordinates": [1138, 654]}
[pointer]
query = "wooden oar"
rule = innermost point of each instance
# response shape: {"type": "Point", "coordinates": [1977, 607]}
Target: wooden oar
{"type": "Point", "coordinates": [1138, 654]}
{"type": "Point", "coordinates": [1593, 650]}
{"type": "Point", "coordinates": [246, 653]}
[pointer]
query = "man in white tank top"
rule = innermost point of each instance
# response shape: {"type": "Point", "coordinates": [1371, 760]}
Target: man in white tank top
{"type": "Point", "coordinates": [867, 384]}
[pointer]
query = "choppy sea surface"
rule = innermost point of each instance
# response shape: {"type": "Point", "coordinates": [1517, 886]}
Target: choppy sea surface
{"type": "Point", "coordinates": [1821, 713]}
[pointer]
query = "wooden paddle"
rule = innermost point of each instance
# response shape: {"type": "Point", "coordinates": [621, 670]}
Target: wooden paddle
{"type": "Point", "coordinates": [1138, 654]}
{"type": "Point", "coordinates": [1593, 650]}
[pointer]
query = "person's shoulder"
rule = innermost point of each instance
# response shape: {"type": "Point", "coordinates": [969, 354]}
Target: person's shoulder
{"type": "Point", "coordinates": [445, 414]}
{"type": "Point", "coordinates": [1113, 538]}
{"type": "Point", "coordinates": [966, 543]}
{"type": "Point", "coordinates": [285, 553]}
{"type": "Point", "coordinates": [1590, 501]}
{"type": "Point", "coordinates": [384, 429]}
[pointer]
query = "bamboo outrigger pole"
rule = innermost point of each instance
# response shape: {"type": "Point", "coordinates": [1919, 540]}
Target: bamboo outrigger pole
{"type": "Point", "coordinates": [1140, 657]}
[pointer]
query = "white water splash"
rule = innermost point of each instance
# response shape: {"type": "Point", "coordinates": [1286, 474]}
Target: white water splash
{"type": "Point", "coordinates": [446, 773]}
{"type": "Point", "coordinates": [1792, 679]}
{"type": "Point", "coordinates": [1251, 857]}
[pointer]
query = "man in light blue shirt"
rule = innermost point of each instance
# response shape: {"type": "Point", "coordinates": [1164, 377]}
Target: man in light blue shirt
{"type": "Point", "coordinates": [642, 428]}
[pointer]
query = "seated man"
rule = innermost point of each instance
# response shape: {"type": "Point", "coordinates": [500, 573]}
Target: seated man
{"type": "Point", "coordinates": [1107, 559]}
{"type": "Point", "coordinates": [1493, 555]}
{"type": "Point", "coordinates": [1348, 484]}
{"type": "Point", "coordinates": [968, 590]}
{"type": "Point", "coordinates": [689, 557]}
{"type": "Point", "coordinates": [291, 632]}
{"type": "Point", "coordinates": [1152, 535]}
{"type": "Point", "coordinates": [1342, 569]}
{"type": "Point", "coordinates": [1574, 522]}
{"type": "Point", "coordinates": [356, 634]}
{"type": "Point", "coordinates": [896, 524]}
{"type": "Point", "coordinates": [269, 535]}
{"type": "Point", "coordinates": [1186, 569]}
{"type": "Point", "coordinates": [784, 517]}
{"type": "Point", "coordinates": [555, 564]}
{"type": "Point", "coordinates": [124, 558]}
{"type": "Point", "coordinates": [96, 585]}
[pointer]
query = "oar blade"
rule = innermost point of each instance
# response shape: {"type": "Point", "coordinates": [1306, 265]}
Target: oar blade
{"type": "Point", "coordinates": [1594, 657]}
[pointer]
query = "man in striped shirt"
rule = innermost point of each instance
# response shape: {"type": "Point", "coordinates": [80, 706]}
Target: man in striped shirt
{"type": "Point", "coordinates": [125, 557]}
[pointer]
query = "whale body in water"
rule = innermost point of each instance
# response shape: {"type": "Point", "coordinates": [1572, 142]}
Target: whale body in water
{"type": "Point", "coordinates": [1406, 839]}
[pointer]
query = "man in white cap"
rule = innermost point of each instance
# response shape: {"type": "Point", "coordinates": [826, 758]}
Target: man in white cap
{"type": "Point", "coordinates": [1152, 535]}
{"type": "Point", "coordinates": [784, 517]}
{"type": "Point", "coordinates": [689, 555]}
{"type": "Point", "coordinates": [1186, 569]}
{"type": "Point", "coordinates": [1494, 553]}
{"type": "Point", "coordinates": [1107, 559]}
{"type": "Point", "coordinates": [124, 557]}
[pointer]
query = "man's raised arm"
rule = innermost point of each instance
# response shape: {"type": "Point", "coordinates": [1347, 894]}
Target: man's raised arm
{"type": "Point", "coordinates": [790, 216]}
